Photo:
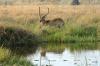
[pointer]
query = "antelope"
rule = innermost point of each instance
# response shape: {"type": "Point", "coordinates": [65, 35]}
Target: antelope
{"type": "Point", "coordinates": [56, 22]}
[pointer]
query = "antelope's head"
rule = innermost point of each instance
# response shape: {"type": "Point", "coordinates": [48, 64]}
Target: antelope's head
{"type": "Point", "coordinates": [43, 18]}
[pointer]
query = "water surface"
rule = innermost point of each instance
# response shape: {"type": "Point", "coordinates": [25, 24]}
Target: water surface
{"type": "Point", "coordinates": [87, 54]}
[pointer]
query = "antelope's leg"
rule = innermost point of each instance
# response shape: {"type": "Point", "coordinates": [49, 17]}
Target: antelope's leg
{"type": "Point", "coordinates": [41, 26]}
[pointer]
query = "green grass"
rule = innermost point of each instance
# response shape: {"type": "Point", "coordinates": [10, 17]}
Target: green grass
{"type": "Point", "coordinates": [7, 59]}
{"type": "Point", "coordinates": [31, 33]}
{"type": "Point", "coordinates": [70, 33]}
{"type": "Point", "coordinates": [4, 54]}
{"type": "Point", "coordinates": [16, 61]}
{"type": "Point", "coordinates": [72, 47]}
{"type": "Point", "coordinates": [21, 30]}
{"type": "Point", "coordinates": [10, 36]}
{"type": "Point", "coordinates": [80, 24]}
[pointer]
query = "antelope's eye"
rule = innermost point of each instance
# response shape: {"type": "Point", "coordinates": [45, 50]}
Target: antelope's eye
{"type": "Point", "coordinates": [40, 20]}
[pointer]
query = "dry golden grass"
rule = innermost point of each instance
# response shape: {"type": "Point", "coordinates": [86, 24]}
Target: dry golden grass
{"type": "Point", "coordinates": [76, 18]}
{"type": "Point", "coordinates": [29, 13]}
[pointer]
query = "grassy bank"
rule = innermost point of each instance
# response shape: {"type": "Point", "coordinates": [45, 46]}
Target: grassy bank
{"type": "Point", "coordinates": [33, 34]}
{"type": "Point", "coordinates": [16, 61]}
{"type": "Point", "coordinates": [7, 59]}
{"type": "Point", "coordinates": [71, 33]}
{"type": "Point", "coordinates": [81, 23]}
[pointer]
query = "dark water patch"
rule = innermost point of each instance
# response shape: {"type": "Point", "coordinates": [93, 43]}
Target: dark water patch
{"type": "Point", "coordinates": [23, 51]}
{"type": "Point", "coordinates": [82, 47]}
{"type": "Point", "coordinates": [59, 48]}
{"type": "Point", "coordinates": [54, 48]}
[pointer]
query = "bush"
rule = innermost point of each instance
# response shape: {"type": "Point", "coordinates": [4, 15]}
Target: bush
{"type": "Point", "coordinates": [10, 36]}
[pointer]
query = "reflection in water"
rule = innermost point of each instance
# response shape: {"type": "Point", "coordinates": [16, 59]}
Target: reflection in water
{"type": "Point", "coordinates": [87, 54]}
{"type": "Point", "coordinates": [69, 59]}
{"type": "Point", "coordinates": [43, 52]}
{"type": "Point", "coordinates": [66, 55]}
{"type": "Point", "coordinates": [43, 57]}
{"type": "Point", "coordinates": [22, 49]}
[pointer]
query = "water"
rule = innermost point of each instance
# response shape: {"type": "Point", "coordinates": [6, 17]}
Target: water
{"type": "Point", "coordinates": [66, 55]}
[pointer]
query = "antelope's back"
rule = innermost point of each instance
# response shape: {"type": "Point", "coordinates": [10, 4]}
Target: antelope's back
{"type": "Point", "coordinates": [57, 22]}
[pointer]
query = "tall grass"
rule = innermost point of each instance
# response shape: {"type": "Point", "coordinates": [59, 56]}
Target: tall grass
{"type": "Point", "coordinates": [7, 59]}
{"type": "Point", "coordinates": [70, 33]}
{"type": "Point", "coordinates": [11, 37]}
{"type": "Point", "coordinates": [16, 61]}
{"type": "Point", "coordinates": [80, 21]}
{"type": "Point", "coordinates": [4, 54]}
{"type": "Point", "coordinates": [19, 26]}
{"type": "Point", "coordinates": [72, 47]}
{"type": "Point", "coordinates": [29, 13]}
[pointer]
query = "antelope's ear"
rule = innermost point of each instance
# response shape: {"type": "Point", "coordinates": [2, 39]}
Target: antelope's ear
{"type": "Point", "coordinates": [43, 17]}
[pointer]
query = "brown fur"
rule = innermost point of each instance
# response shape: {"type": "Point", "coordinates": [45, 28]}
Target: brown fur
{"type": "Point", "coordinates": [58, 22]}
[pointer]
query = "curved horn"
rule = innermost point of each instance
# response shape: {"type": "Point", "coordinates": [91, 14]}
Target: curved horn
{"type": "Point", "coordinates": [47, 13]}
{"type": "Point", "coordinates": [39, 13]}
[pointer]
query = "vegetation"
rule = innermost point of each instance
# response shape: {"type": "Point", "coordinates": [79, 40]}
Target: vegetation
{"type": "Point", "coordinates": [80, 25]}
{"type": "Point", "coordinates": [68, 33]}
{"type": "Point", "coordinates": [7, 59]}
{"type": "Point", "coordinates": [13, 2]}
{"type": "Point", "coordinates": [16, 61]}
{"type": "Point", "coordinates": [10, 36]}
{"type": "Point", "coordinates": [20, 31]}
{"type": "Point", "coordinates": [72, 47]}
{"type": "Point", "coordinates": [4, 54]}
{"type": "Point", "coordinates": [72, 34]}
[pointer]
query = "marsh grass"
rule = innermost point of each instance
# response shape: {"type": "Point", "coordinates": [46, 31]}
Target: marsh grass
{"type": "Point", "coordinates": [80, 22]}
{"type": "Point", "coordinates": [7, 59]}
{"type": "Point", "coordinates": [4, 54]}
{"type": "Point", "coordinates": [19, 26]}
{"type": "Point", "coordinates": [70, 33]}
{"type": "Point", "coordinates": [10, 36]}
{"type": "Point", "coordinates": [16, 61]}
{"type": "Point", "coordinates": [72, 47]}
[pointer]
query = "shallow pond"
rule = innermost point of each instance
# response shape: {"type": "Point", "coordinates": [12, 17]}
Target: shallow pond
{"type": "Point", "coordinates": [87, 54]}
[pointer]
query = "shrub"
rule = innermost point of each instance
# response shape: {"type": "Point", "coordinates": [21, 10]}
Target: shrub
{"type": "Point", "coordinates": [10, 36]}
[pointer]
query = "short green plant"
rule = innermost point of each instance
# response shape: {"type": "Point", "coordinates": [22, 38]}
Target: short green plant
{"type": "Point", "coordinates": [4, 54]}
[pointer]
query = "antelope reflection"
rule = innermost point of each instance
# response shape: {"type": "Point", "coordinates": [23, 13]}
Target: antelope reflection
{"type": "Point", "coordinates": [43, 57]}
